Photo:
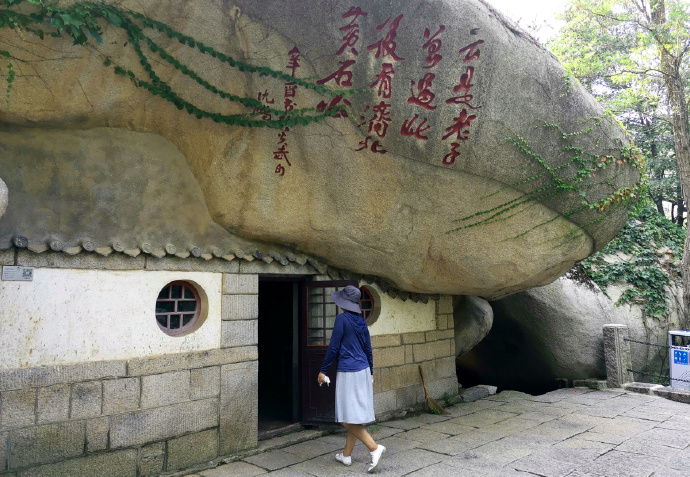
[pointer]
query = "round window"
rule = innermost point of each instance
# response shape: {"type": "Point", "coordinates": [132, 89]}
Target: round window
{"type": "Point", "coordinates": [368, 305]}
{"type": "Point", "coordinates": [177, 308]}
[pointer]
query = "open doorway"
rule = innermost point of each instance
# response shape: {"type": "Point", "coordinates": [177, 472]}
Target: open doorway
{"type": "Point", "coordinates": [279, 392]}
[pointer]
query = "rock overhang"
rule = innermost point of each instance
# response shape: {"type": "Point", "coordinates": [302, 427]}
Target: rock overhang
{"type": "Point", "coordinates": [389, 215]}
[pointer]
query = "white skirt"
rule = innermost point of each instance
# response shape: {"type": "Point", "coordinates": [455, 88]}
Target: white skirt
{"type": "Point", "coordinates": [354, 397]}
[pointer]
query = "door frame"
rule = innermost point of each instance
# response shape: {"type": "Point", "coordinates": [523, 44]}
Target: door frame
{"type": "Point", "coordinates": [310, 353]}
{"type": "Point", "coordinates": [298, 283]}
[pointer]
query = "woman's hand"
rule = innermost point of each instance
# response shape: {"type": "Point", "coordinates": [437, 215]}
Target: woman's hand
{"type": "Point", "coordinates": [372, 379]}
{"type": "Point", "coordinates": [322, 378]}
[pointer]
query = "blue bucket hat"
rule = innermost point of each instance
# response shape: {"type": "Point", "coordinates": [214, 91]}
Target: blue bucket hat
{"type": "Point", "coordinates": [348, 298]}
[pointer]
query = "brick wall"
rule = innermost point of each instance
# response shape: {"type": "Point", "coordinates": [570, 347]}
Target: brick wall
{"type": "Point", "coordinates": [397, 381]}
{"type": "Point", "coordinates": [142, 416]}
{"type": "Point", "coordinates": [132, 417]}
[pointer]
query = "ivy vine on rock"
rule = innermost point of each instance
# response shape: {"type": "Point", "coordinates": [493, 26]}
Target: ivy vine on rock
{"type": "Point", "coordinates": [560, 179]}
{"type": "Point", "coordinates": [83, 23]}
{"type": "Point", "coordinates": [645, 256]}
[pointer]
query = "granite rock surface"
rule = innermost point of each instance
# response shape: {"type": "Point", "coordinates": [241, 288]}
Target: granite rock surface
{"type": "Point", "coordinates": [378, 192]}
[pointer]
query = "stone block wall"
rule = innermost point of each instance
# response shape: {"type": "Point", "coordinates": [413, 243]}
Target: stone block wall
{"type": "Point", "coordinates": [136, 417]}
{"type": "Point", "coordinates": [142, 416]}
{"type": "Point", "coordinates": [397, 357]}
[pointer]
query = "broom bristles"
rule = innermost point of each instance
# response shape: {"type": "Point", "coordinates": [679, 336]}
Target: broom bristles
{"type": "Point", "coordinates": [430, 402]}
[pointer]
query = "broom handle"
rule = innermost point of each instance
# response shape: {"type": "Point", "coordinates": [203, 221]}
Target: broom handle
{"type": "Point", "coordinates": [426, 391]}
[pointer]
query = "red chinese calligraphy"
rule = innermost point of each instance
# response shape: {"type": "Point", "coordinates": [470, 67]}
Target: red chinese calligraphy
{"type": "Point", "coordinates": [464, 100]}
{"type": "Point", "coordinates": [290, 90]}
{"type": "Point", "coordinates": [449, 159]}
{"type": "Point", "coordinates": [465, 80]}
{"type": "Point", "coordinates": [424, 95]}
{"type": "Point", "coordinates": [355, 12]}
{"type": "Point", "coordinates": [364, 144]}
{"type": "Point", "coordinates": [433, 46]}
{"type": "Point", "coordinates": [293, 62]}
{"type": "Point", "coordinates": [322, 107]}
{"type": "Point", "coordinates": [379, 122]}
{"type": "Point", "coordinates": [460, 127]}
{"type": "Point", "coordinates": [289, 105]}
{"type": "Point", "coordinates": [384, 81]}
{"type": "Point", "coordinates": [375, 146]}
{"type": "Point", "coordinates": [464, 85]}
{"type": "Point", "coordinates": [407, 128]}
{"type": "Point", "coordinates": [350, 39]}
{"type": "Point", "coordinates": [263, 97]}
{"type": "Point", "coordinates": [342, 77]}
{"type": "Point", "coordinates": [472, 51]}
{"type": "Point", "coordinates": [386, 45]}
{"type": "Point", "coordinates": [351, 31]}
{"type": "Point", "coordinates": [282, 153]}
{"type": "Point", "coordinates": [289, 93]}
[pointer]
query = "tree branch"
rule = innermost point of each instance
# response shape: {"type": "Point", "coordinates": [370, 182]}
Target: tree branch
{"type": "Point", "coordinates": [641, 72]}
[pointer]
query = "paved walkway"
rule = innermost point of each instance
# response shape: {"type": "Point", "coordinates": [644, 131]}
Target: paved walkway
{"type": "Point", "coordinates": [568, 432]}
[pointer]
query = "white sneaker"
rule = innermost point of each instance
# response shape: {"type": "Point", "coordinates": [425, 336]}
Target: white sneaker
{"type": "Point", "coordinates": [376, 457]}
{"type": "Point", "coordinates": [345, 460]}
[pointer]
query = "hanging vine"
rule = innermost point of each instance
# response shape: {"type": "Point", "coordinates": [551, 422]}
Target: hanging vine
{"type": "Point", "coordinates": [586, 165]}
{"type": "Point", "coordinates": [81, 22]}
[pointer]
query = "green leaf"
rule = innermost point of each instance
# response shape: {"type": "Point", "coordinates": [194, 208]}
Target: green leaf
{"type": "Point", "coordinates": [57, 22]}
{"type": "Point", "coordinates": [95, 34]}
{"type": "Point", "coordinates": [72, 19]}
{"type": "Point", "coordinates": [114, 19]}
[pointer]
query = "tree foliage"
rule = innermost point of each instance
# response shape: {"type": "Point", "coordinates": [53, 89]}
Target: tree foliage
{"type": "Point", "coordinates": [634, 55]}
{"type": "Point", "coordinates": [614, 49]}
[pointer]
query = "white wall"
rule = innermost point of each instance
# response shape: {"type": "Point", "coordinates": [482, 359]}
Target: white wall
{"type": "Point", "coordinates": [399, 316]}
{"type": "Point", "coordinates": [71, 316]}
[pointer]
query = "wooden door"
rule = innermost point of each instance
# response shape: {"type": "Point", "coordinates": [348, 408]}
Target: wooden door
{"type": "Point", "coordinates": [318, 402]}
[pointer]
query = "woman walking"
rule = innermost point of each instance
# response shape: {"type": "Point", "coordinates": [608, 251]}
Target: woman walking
{"type": "Point", "coordinates": [354, 390]}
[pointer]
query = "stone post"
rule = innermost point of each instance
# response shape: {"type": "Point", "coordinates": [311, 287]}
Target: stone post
{"type": "Point", "coordinates": [617, 355]}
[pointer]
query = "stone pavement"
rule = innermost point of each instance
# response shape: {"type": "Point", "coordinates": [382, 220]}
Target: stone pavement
{"type": "Point", "coordinates": [574, 432]}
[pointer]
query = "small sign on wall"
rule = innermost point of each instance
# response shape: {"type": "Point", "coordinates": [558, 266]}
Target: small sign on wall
{"type": "Point", "coordinates": [25, 274]}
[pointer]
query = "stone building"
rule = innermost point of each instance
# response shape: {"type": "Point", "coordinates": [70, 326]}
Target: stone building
{"type": "Point", "coordinates": [119, 395]}
{"type": "Point", "coordinates": [100, 376]}
{"type": "Point", "coordinates": [166, 268]}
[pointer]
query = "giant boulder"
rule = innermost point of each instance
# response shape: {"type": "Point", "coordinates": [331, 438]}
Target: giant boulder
{"type": "Point", "coordinates": [442, 116]}
{"type": "Point", "coordinates": [472, 320]}
{"type": "Point", "coordinates": [556, 331]}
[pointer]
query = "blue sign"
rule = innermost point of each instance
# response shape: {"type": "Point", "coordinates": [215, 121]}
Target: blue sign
{"type": "Point", "coordinates": [680, 357]}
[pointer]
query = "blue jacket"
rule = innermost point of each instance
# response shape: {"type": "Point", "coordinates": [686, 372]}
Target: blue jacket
{"type": "Point", "coordinates": [350, 342]}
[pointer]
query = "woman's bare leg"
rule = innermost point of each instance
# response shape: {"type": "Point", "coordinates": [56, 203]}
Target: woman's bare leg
{"type": "Point", "coordinates": [358, 431]}
{"type": "Point", "coordinates": [350, 441]}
